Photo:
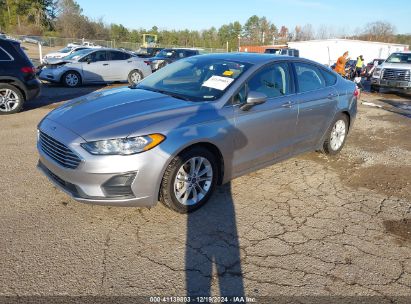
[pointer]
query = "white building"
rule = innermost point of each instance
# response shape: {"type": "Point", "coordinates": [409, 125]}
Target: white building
{"type": "Point", "coordinates": [327, 51]}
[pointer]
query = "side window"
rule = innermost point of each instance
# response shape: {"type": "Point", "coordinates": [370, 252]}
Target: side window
{"type": "Point", "coordinates": [180, 54]}
{"type": "Point", "coordinates": [126, 56]}
{"type": "Point", "coordinates": [99, 56]}
{"type": "Point", "coordinates": [309, 77]}
{"type": "Point", "coordinates": [116, 55]}
{"type": "Point", "coordinates": [273, 81]}
{"type": "Point", "coordinates": [330, 78]}
{"type": "Point", "coordinates": [4, 56]}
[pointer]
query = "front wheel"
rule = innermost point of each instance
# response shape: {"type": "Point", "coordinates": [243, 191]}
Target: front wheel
{"type": "Point", "coordinates": [71, 79]}
{"type": "Point", "coordinates": [336, 135]}
{"type": "Point", "coordinates": [189, 180]}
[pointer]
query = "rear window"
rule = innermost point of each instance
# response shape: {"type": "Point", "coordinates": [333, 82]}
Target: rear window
{"type": "Point", "coordinates": [20, 51]}
{"type": "Point", "coordinates": [330, 78]}
{"type": "Point", "coordinates": [4, 56]}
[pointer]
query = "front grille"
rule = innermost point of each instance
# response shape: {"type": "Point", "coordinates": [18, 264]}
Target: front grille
{"type": "Point", "coordinates": [395, 74]}
{"type": "Point", "coordinates": [60, 153]}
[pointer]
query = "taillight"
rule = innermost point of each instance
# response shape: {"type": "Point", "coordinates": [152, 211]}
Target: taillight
{"type": "Point", "coordinates": [356, 92]}
{"type": "Point", "coordinates": [28, 70]}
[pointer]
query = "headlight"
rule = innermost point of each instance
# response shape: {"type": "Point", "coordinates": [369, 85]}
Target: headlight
{"type": "Point", "coordinates": [377, 72]}
{"type": "Point", "coordinates": [123, 146]}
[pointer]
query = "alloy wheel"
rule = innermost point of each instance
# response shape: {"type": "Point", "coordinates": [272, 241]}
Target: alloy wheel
{"type": "Point", "coordinates": [338, 135]}
{"type": "Point", "coordinates": [193, 181]}
{"type": "Point", "coordinates": [135, 77]}
{"type": "Point", "coordinates": [9, 100]}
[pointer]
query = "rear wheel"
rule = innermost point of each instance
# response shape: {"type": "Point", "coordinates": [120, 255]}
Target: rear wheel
{"type": "Point", "coordinates": [135, 77]}
{"type": "Point", "coordinates": [336, 135]}
{"type": "Point", "coordinates": [71, 79]}
{"type": "Point", "coordinates": [11, 99]}
{"type": "Point", "coordinates": [189, 180]}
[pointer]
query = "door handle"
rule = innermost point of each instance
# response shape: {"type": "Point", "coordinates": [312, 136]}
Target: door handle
{"type": "Point", "coordinates": [105, 63]}
{"type": "Point", "coordinates": [287, 104]}
{"type": "Point", "coordinates": [331, 96]}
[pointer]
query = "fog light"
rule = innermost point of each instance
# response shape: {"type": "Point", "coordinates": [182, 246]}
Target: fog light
{"type": "Point", "coordinates": [119, 186]}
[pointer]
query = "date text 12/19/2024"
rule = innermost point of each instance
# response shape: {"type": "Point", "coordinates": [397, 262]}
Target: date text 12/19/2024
{"type": "Point", "coordinates": [199, 299]}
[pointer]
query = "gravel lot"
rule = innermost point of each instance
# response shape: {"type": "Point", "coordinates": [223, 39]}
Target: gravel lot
{"type": "Point", "coordinates": [310, 226]}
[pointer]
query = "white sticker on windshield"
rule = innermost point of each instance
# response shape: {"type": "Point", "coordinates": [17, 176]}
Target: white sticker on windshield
{"type": "Point", "coordinates": [218, 82]}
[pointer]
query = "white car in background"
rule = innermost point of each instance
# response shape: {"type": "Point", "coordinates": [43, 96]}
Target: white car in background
{"type": "Point", "coordinates": [102, 65]}
{"type": "Point", "coordinates": [62, 53]}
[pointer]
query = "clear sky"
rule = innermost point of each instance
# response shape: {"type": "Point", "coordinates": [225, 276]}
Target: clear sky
{"type": "Point", "coordinates": [348, 15]}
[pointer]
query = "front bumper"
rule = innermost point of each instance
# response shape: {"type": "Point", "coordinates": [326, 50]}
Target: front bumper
{"type": "Point", "coordinates": [391, 83]}
{"type": "Point", "coordinates": [88, 182]}
{"type": "Point", "coordinates": [52, 75]}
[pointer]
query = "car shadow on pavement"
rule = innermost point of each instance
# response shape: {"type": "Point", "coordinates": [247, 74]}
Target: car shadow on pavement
{"type": "Point", "coordinates": [212, 242]}
{"type": "Point", "coordinates": [53, 94]}
{"type": "Point", "coordinates": [212, 246]}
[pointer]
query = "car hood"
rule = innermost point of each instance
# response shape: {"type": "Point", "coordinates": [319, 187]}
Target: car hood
{"type": "Point", "coordinates": [118, 112]}
{"type": "Point", "coordinates": [387, 65]}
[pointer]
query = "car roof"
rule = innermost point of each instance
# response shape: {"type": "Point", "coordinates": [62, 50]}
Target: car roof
{"type": "Point", "coordinates": [253, 58]}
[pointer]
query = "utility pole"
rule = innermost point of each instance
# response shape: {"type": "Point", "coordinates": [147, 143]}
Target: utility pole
{"type": "Point", "coordinates": [239, 43]}
{"type": "Point", "coordinates": [227, 46]}
{"type": "Point", "coordinates": [263, 37]}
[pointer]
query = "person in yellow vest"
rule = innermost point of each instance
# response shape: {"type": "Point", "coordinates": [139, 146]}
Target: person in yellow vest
{"type": "Point", "coordinates": [359, 65]}
{"type": "Point", "coordinates": [340, 65]}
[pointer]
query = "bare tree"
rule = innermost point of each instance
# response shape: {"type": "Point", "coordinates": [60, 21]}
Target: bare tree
{"type": "Point", "coordinates": [379, 31]}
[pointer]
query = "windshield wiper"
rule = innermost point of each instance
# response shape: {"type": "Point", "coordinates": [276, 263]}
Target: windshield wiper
{"type": "Point", "coordinates": [178, 96]}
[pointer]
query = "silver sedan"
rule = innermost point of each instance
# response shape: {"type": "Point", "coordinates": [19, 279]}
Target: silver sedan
{"type": "Point", "coordinates": [95, 66]}
{"type": "Point", "coordinates": [197, 123]}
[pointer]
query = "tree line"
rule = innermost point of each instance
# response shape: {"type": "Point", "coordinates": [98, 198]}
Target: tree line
{"type": "Point", "coordinates": [65, 18]}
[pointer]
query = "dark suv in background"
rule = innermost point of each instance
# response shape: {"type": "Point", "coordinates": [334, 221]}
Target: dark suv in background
{"type": "Point", "coordinates": [167, 56]}
{"type": "Point", "coordinates": [18, 81]}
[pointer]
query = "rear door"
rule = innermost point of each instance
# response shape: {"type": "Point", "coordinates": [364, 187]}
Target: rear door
{"type": "Point", "coordinates": [98, 69]}
{"type": "Point", "coordinates": [120, 65]}
{"type": "Point", "coordinates": [317, 100]}
{"type": "Point", "coordinates": [267, 130]}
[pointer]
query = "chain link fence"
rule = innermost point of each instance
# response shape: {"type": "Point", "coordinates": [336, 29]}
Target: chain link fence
{"type": "Point", "coordinates": [38, 46]}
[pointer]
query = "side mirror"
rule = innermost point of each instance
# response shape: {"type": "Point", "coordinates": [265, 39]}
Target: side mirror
{"type": "Point", "coordinates": [89, 60]}
{"type": "Point", "coordinates": [254, 98]}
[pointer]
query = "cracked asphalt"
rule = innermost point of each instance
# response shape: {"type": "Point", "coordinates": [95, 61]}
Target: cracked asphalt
{"type": "Point", "coordinates": [310, 226]}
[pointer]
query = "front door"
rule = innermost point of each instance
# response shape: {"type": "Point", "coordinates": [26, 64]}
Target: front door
{"type": "Point", "coordinates": [268, 130]}
{"type": "Point", "coordinates": [96, 67]}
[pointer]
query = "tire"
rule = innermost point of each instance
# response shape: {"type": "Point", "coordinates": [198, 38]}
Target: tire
{"type": "Point", "coordinates": [374, 89]}
{"type": "Point", "coordinates": [134, 77]}
{"type": "Point", "coordinates": [336, 135]}
{"type": "Point", "coordinates": [11, 99]}
{"type": "Point", "coordinates": [71, 79]}
{"type": "Point", "coordinates": [178, 177]}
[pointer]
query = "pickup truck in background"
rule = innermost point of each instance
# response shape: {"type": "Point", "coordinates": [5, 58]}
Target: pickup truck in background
{"type": "Point", "coordinates": [393, 73]}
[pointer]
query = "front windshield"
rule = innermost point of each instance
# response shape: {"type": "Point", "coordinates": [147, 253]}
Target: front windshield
{"type": "Point", "coordinates": [166, 53]}
{"type": "Point", "coordinates": [65, 50]}
{"type": "Point", "coordinates": [78, 54]}
{"type": "Point", "coordinates": [399, 58]}
{"type": "Point", "coordinates": [195, 78]}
